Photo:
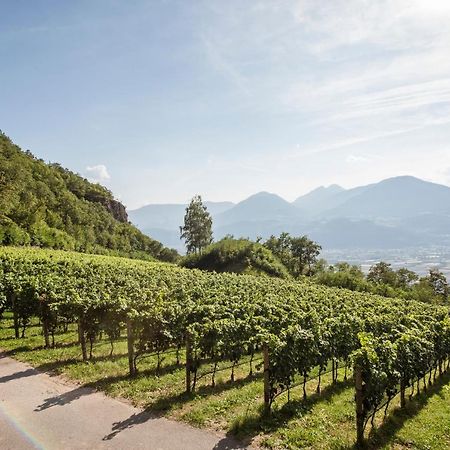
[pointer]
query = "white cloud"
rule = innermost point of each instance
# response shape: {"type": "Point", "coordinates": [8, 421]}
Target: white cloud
{"type": "Point", "coordinates": [98, 173]}
{"type": "Point", "coordinates": [377, 91]}
{"type": "Point", "coordinates": [334, 59]}
{"type": "Point", "coordinates": [398, 24]}
{"type": "Point", "coordinates": [447, 175]}
{"type": "Point", "coordinates": [357, 159]}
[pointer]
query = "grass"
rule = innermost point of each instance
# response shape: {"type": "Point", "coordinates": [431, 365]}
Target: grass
{"type": "Point", "coordinates": [324, 421]}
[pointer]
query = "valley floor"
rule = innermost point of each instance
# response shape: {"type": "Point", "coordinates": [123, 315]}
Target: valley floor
{"type": "Point", "coordinates": [325, 421]}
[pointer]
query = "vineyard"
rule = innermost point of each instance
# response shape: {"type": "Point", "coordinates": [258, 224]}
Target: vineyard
{"type": "Point", "coordinates": [292, 334]}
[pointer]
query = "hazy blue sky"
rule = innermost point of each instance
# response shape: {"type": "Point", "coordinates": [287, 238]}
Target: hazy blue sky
{"type": "Point", "coordinates": [160, 100]}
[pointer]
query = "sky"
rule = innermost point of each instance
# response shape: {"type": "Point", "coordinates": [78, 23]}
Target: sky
{"type": "Point", "coordinates": [160, 100]}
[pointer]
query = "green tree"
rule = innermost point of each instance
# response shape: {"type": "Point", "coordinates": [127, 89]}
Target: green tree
{"type": "Point", "coordinates": [438, 282]}
{"type": "Point", "coordinates": [304, 252]}
{"type": "Point", "coordinates": [382, 273]}
{"type": "Point", "coordinates": [197, 228]}
{"type": "Point", "coordinates": [352, 269]}
{"type": "Point", "coordinates": [406, 278]}
{"type": "Point", "coordinates": [343, 275]}
{"type": "Point", "coordinates": [298, 254]}
{"type": "Point", "coordinates": [281, 247]}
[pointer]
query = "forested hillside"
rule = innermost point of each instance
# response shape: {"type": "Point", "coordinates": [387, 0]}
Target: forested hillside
{"type": "Point", "coordinates": [48, 206]}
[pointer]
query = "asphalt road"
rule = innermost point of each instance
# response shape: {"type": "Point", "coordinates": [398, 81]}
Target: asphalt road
{"type": "Point", "coordinates": [38, 411]}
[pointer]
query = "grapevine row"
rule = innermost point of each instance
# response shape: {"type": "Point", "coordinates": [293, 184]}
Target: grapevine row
{"type": "Point", "coordinates": [298, 326]}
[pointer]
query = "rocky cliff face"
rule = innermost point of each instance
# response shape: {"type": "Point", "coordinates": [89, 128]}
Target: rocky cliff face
{"type": "Point", "coordinates": [105, 198]}
{"type": "Point", "coordinates": [117, 210]}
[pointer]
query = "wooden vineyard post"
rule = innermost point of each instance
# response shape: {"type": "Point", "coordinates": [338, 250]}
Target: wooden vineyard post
{"type": "Point", "coordinates": [15, 315]}
{"type": "Point", "coordinates": [188, 362]}
{"type": "Point", "coordinates": [82, 339]}
{"type": "Point", "coordinates": [402, 393]}
{"type": "Point", "coordinates": [78, 332]}
{"type": "Point", "coordinates": [130, 345]}
{"type": "Point", "coordinates": [266, 379]}
{"type": "Point", "coordinates": [45, 327]}
{"type": "Point", "coordinates": [333, 366]}
{"type": "Point", "coordinates": [359, 399]}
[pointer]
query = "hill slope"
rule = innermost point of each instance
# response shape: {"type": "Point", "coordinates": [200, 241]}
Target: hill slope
{"type": "Point", "coordinates": [48, 206]}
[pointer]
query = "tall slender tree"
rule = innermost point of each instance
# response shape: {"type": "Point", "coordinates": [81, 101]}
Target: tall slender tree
{"type": "Point", "coordinates": [197, 228]}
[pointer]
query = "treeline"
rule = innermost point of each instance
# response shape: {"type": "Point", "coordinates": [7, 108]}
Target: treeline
{"type": "Point", "coordinates": [300, 255]}
{"type": "Point", "coordinates": [48, 206]}
{"type": "Point", "coordinates": [288, 256]}
{"type": "Point", "coordinates": [382, 279]}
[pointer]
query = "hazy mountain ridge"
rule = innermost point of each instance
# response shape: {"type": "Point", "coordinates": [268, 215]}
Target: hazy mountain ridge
{"type": "Point", "coordinates": [319, 198]}
{"type": "Point", "coordinates": [169, 215]}
{"type": "Point", "coordinates": [259, 207]}
{"type": "Point", "coordinates": [396, 212]}
{"type": "Point", "coordinates": [396, 198]}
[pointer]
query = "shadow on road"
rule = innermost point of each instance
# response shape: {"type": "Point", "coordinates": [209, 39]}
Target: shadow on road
{"type": "Point", "coordinates": [135, 419]}
{"type": "Point", "coordinates": [64, 399]}
{"type": "Point", "coordinates": [17, 375]}
{"type": "Point", "coordinates": [227, 443]}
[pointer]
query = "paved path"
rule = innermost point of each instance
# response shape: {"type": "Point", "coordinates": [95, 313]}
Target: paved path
{"type": "Point", "coordinates": [40, 411]}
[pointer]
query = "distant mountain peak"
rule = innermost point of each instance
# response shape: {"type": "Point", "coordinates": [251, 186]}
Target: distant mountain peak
{"type": "Point", "coordinates": [262, 200]}
{"type": "Point", "coordinates": [335, 187]}
{"type": "Point", "coordinates": [264, 195]}
{"type": "Point", "coordinates": [402, 179]}
{"type": "Point", "coordinates": [258, 207]}
{"type": "Point", "coordinates": [329, 188]}
{"type": "Point", "coordinates": [318, 198]}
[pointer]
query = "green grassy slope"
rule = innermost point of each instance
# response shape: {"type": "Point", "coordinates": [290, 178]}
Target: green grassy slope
{"type": "Point", "coordinates": [237, 256]}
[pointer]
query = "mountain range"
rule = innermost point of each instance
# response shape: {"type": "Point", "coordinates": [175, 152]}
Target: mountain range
{"type": "Point", "coordinates": [397, 212]}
